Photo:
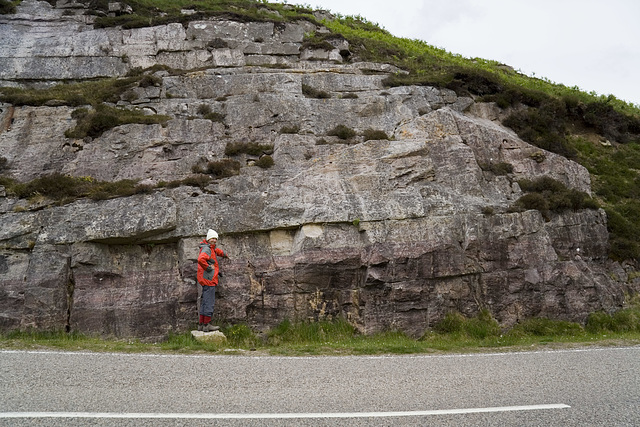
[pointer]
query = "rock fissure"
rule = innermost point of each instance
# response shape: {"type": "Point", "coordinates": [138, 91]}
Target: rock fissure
{"type": "Point", "coordinates": [70, 289]}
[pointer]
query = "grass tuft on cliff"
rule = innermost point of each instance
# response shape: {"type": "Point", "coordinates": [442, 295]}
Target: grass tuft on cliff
{"type": "Point", "coordinates": [94, 123]}
{"type": "Point", "coordinates": [93, 92]}
{"type": "Point", "coordinates": [65, 189]}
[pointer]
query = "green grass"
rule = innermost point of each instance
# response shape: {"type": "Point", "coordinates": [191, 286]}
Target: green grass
{"type": "Point", "coordinates": [454, 334]}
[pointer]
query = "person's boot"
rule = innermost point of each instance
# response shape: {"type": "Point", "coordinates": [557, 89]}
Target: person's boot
{"type": "Point", "coordinates": [200, 326]}
{"type": "Point", "coordinates": [210, 328]}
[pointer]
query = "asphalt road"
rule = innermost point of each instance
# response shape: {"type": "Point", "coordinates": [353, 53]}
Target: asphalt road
{"type": "Point", "coordinates": [588, 387]}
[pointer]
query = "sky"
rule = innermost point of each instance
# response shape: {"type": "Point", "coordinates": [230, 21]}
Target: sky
{"type": "Point", "coordinates": [592, 44]}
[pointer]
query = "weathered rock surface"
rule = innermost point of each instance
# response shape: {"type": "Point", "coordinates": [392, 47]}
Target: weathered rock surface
{"type": "Point", "coordinates": [387, 233]}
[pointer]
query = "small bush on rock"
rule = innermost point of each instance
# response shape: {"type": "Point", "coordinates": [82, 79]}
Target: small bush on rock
{"type": "Point", "coordinates": [549, 195]}
{"type": "Point", "coordinates": [215, 117]}
{"type": "Point", "coordinates": [534, 201]}
{"type": "Point", "coordinates": [311, 92]}
{"type": "Point", "coordinates": [342, 132]}
{"type": "Point", "coordinates": [204, 109]}
{"type": "Point", "coordinates": [223, 168]}
{"type": "Point", "coordinates": [290, 129]}
{"type": "Point", "coordinates": [252, 148]}
{"type": "Point", "coordinates": [150, 80]}
{"type": "Point", "coordinates": [376, 135]}
{"type": "Point", "coordinates": [499, 169]}
{"type": "Point", "coordinates": [122, 188]}
{"type": "Point", "coordinates": [265, 162]}
{"type": "Point", "coordinates": [94, 123]}
{"type": "Point", "coordinates": [7, 7]}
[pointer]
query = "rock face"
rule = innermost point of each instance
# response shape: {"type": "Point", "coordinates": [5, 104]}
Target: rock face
{"type": "Point", "coordinates": [388, 233]}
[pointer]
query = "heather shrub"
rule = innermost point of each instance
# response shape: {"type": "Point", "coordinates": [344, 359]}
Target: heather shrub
{"type": "Point", "coordinates": [311, 92]}
{"type": "Point", "coordinates": [223, 168]}
{"type": "Point", "coordinates": [252, 148]}
{"type": "Point", "coordinates": [533, 201]}
{"type": "Point", "coordinates": [501, 168]}
{"type": "Point", "coordinates": [372, 134]}
{"type": "Point", "coordinates": [150, 80]}
{"type": "Point", "coordinates": [55, 186]}
{"type": "Point", "coordinates": [215, 117]}
{"type": "Point", "coordinates": [547, 195]}
{"type": "Point", "coordinates": [203, 109]}
{"type": "Point", "coordinates": [342, 132]}
{"type": "Point", "coordinates": [122, 188]}
{"type": "Point", "coordinates": [544, 127]}
{"type": "Point", "coordinates": [103, 118]}
{"type": "Point", "coordinates": [290, 129]}
{"type": "Point", "coordinates": [265, 162]}
{"type": "Point", "coordinates": [7, 7]}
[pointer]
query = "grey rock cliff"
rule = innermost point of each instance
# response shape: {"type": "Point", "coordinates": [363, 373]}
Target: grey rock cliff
{"type": "Point", "coordinates": [386, 233]}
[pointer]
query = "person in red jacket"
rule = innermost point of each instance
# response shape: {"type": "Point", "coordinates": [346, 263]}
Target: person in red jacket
{"type": "Point", "coordinates": [208, 270]}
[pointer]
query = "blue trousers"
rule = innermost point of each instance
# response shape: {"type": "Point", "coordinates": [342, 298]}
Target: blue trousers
{"type": "Point", "coordinates": [208, 300]}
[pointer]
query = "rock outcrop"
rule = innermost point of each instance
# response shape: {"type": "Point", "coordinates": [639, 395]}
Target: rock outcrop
{"type": "Point", "coordinates": [388, 233]}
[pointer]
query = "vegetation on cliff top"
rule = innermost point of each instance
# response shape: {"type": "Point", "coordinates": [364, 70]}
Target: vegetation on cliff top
{"type": "Point", "coordinates": [600, 132]}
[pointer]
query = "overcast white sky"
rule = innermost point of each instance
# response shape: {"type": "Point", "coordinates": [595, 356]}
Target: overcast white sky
{"type": "Point", "coordinates": [592, 44]}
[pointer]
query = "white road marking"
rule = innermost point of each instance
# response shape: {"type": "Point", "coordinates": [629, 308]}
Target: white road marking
{"type": "Point", "coordinates": [279, 416]}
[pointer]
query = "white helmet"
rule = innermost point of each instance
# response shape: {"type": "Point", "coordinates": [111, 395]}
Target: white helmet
{"type": "Point", "coordinates": [211, 234]}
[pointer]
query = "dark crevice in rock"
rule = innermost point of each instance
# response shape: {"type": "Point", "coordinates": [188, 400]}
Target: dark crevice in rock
{"type": "Point", "coordinates": [70, 289]}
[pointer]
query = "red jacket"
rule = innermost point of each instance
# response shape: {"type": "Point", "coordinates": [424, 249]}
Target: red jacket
{"type": "Point", "coordinates": [208, 260]}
